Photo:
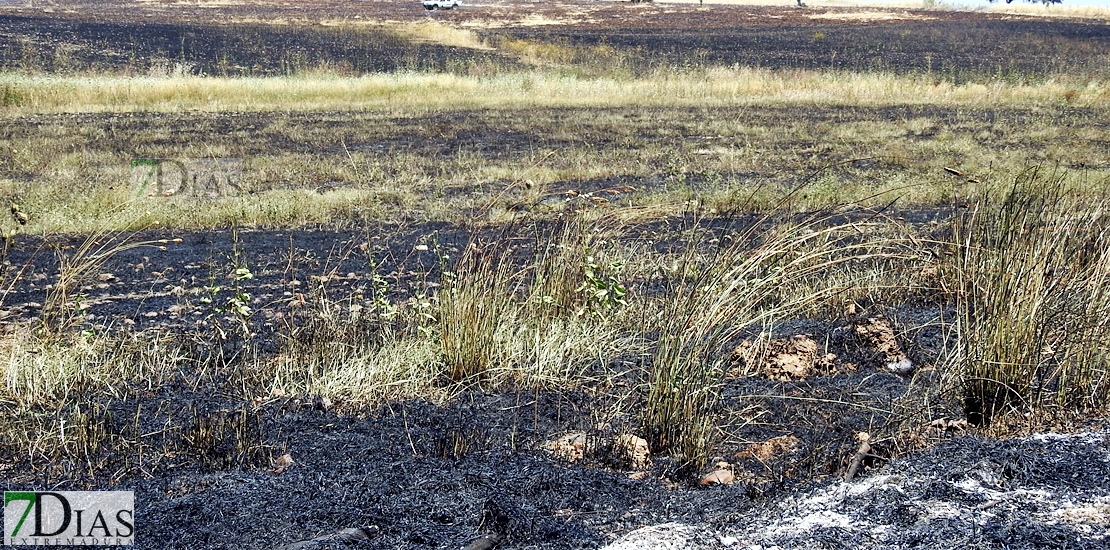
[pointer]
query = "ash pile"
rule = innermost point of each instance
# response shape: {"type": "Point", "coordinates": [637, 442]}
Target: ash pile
{"type": "Point", "coordinates": [1042, 491]}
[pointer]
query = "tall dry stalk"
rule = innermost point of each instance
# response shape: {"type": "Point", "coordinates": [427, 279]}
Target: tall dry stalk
{"type": "Point", "coordinates": [80, 266]}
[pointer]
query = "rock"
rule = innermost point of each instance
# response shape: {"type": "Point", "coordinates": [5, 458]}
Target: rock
{"type": "Point", "coordinates": [283, 463]}
{"type": "Point", "coordinates": [903, 367]}
{"type": "Point", "coordinates": [570, 447]}
{"type": "Point", "coordinates": [484, 543]}
{"type": "Point", "coordinates": [720, 476]}
{"type": "Point", "coordinates": [345, 536]}
{"type": "Point", "coordinates": [632, 451]}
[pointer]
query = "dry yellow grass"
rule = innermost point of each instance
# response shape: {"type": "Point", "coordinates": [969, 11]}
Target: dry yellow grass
{"type": "Point", "coordinates": [422, 92]}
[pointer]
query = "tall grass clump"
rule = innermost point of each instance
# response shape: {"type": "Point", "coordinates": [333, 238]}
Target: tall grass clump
{"type": "Point", "coordinates": [767, 271]}
{"type": "Point", "coordinates": [540, 317]}
{"type": "Point", "coordinates": [38, 371]}
{"type": "Point", "coordinates": [477, 305]}
{"type": "Point", "coordinates": [576, 304]}
{"type": "Point", "coordinates": [575, 275]}
{"type": "Point", "coordinates": [1033, 299]}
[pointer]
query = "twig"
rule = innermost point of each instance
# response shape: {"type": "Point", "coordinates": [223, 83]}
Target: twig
{"type": "Point", "coordinates": [864, 449]}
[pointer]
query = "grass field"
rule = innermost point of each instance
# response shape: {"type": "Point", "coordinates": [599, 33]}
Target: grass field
{"type": "Point", "coordinates": [585, 197]}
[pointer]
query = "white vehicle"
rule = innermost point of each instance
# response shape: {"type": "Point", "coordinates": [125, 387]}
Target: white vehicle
{"type": "Point", "coordinates": [440, 4]}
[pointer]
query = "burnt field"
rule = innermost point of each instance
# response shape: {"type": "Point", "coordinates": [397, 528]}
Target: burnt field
{"type": "Point", "coordinates": [60, 45]}
{"type": "Point", "coordinates": [361, 37]}
{"type": "Point", "coordinates": [559, 275]}
{"type": "Point", "coordinates": [949, 49]}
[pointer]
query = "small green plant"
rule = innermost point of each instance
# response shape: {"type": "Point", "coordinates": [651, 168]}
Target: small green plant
{"type": "Point", "coordinates": [601, 287]}
{"type": "Point", "coordinates": [239, 302]}
{"type": "Point", "coordinates": [572, 276]}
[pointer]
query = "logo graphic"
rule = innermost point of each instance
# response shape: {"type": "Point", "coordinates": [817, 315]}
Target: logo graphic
{"type": "Point", "coordinates": [69, 518]}
{"type": "Point", "coordinates": [199, 177]}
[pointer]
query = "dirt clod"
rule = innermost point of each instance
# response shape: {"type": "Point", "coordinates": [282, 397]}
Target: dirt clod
{"type": "Point", "coordinates": [625, 451]}
{"type": "Point", "coordinates": [878, 345]}
{"type": "Point", "coordinates": [720, 476]}
{"type": "Point", "coordinates": [767, 450]}
{"type": "Point", "coordinates": [793, 358]}
{"type": "Point", "coordinates": [632, 451]}
{"type": "Point", "coordinates": [282, 463]}
{"type": "Point", "coordinates": [570, 447]}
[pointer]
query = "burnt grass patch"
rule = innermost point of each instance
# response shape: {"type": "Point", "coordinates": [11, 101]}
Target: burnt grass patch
{"type": "Point", "coordinates": [957, 49]}
{"type": "Point", "coordinates": [672, 142]}
{"type": "Point", "coordinates": [203, 449]}
{"type": "Point", "coordinates": [425, 475]}
{"type": "Point", "coordinates": [59, 45]}
{"type": "Point", "coordinates": [497, 134]}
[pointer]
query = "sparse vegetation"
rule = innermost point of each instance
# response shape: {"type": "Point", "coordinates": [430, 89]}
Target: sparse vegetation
{"type": "Point", "coordinates": [574, 213]}
{"type": "Point", "coordinates": [768, 270]}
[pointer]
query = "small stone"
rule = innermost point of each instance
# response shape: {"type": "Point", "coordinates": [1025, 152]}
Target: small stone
{"type": "Point", "coordinates": [283, 463]}
{"type": "Point", "coordinates": [903, 367]}
{"type": "Point", "coordinates": [719, 477]}
{"type": "Point", "coordinates": [633, 451]}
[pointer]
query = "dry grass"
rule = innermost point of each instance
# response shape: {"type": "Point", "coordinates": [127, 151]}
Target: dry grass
{"type": "Point", "coordinates": [439, 33]}
{"type": "Point", "coordinates": [477, 312]}
{"type": "Point", "coordinates": [764, 272]}
{"type": "Point", "coordinates": [1049, 10]}
{"type": "Point", "coordinates": [1032, 268]}
{"type": "Point", "coordinates": [47, 371]}
{"type": "Point", "coordinates": [78, 267]}
{"type": "Point", "coordinates": [416, 92]}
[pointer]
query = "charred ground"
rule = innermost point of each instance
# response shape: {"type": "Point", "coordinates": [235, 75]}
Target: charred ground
{"type": "Point", "coordinates": [203, 449]}
{"type": "Point", "coordinates": [355, 38]}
